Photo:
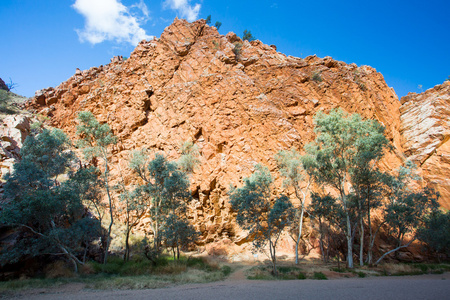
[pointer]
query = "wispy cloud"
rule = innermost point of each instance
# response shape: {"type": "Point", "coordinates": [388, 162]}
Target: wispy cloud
{"type": "Point", "coordinates": [184, 8]}
{"type": "Point", "coordinates": [110, 20]}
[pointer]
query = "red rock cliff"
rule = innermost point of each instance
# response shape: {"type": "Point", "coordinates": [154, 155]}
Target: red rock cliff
{"type": "Point", "coordinates": [240, 106]}
{"type": "Point", "coordinates": [425, 130]}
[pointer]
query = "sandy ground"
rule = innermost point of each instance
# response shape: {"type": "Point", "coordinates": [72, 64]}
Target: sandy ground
{"type": "Point", "coordinates": [237, 287]}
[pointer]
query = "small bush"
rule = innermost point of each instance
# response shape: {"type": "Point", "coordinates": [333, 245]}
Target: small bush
{"type": "Point", "coordinates": [226, 270]}
{"type": "Point", "coordinates": [301, 276]}
{"type": "Point", "coordinates": [237, 50]}
{"type": "Point", "coordinates": [59, 269]}
{"type": "Point", "coordinates": [339, 270]}
{"type": "Point", "coordinates": [319, 276]}
{"type": "Point", "coordinates": [316, 76]}
{"type": "Point", "coordinates": [247, 35]}
{"type": "Point", "coordinates": [361, 274]}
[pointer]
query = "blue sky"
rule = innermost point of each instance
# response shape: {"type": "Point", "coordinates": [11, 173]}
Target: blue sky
{"type": "Point", "coordinates": [44, 41]}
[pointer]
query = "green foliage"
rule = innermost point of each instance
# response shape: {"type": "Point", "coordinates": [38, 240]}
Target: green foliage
{"type": "Point", "coordinates": [226, 270]}
{"type": "Point", "coordinates": [448, 79]}
{"type": "Point", "coordinates": [49, 214]}
{"type": "Point", "coordinates": [178, 233]}
{"type": "Point", "coordinates": [319, 276]}
{"type": "Point", "coordinates": [290, 166]}
{"type": "Point", "coordinates": [326, 207]}
{"type": "Point", "coordinates": [346, 146]}
{"type": "Point", "coordinates": [316, 76]}
{"type": "Point", "coordinates": [218, 24]}
{"type": "Point", "coordinates": [95, 137]}
{"type": "Point", "coordinates": [237, 50]}
{"type": "Point", "coordinates": [435, 231]}
{"type": "Point", "coordinates": [247, 35]}
{"type": "Point", "coordinates": [5, 100]}
{"type": "Point", "coordinates": [89, 185]}
{"type": "Point", "coordinates": [135, 206]}
{"type": "Point", "coordinates": [264, 220]}
{"type": "Point", "coordinates": [166, 190]}
{"type": "Point", "coordinates": [189, 157]}
{"type": "Point", "coordinates": [405, 212]}
{"type": "Point", "coordinates": [284, 273]}
{"type": "Point", "coordinates": [208, 19]}
{"type": "Point", "coordinates": [95, 140]}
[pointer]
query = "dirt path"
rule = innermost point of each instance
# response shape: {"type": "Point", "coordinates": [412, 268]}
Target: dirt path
{"type": "Point", "coordinates": [239, 274]}
{"type": "Point", "coordinates": [406, 287]}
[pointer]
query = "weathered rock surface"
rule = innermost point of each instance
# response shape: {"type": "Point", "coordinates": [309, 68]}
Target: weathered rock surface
{"type": "Point", "coordinates": [3, 85]}
{"type": "Point", "coordinates": [425, 130]}
{"type": "Point", "coordinates": [240, 106]}
{"type": "Point", "coordinates": [13, 131]}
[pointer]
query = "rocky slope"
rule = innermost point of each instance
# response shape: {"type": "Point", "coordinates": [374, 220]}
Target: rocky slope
{"type": "Point", "coordinates": [425, 131]}
{"type": "Point", "coordinates": [240, 102]}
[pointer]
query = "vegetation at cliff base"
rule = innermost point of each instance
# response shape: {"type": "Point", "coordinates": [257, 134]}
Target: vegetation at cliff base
{"type": "Point", "coordinates": [59, 211]}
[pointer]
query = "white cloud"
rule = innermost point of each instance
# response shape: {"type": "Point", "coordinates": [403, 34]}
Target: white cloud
{"type": "Point", "coordinates": [111, 20]}
{"type": "Point", "coordinates": [184, 8]}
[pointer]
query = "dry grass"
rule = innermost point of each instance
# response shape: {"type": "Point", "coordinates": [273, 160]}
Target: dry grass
{"type": "Point", "coordinates": [59, 269]}
{"type": "Point", "coordinates": [398, 269]}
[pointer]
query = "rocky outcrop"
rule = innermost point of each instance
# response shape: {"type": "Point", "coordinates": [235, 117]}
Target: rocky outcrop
{"type": "Point", "coordinates": [240, 102]}
{"type": "Point", "coordinates": [13, 131]}
{"type": "Point", "coordinates": [3, 85]}
{"type": "Point", "coordinates": [425, 130]}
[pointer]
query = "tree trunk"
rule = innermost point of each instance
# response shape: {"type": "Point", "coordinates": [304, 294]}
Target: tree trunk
{"type": "Point", "coordinates": [108, 238]}
{"type": "Point", "coordinates": [299, 234]}
{"type": "Point", "coordinates": [394, 250]}
{"type": "Point", "coordinates": [361, 244]}
{"type": "Point", "coordinates": [126, 256]}
{"type": "Point", "coordinates": [349, 243]}
{"type": "Point", "coordinates": [369, 251]}
{"type": "Point", "coordinates": [303, 199]}
{"type": "Point", "coordinates": [274, 258]}
{"type": "Point", "coordinates": [321, 241]}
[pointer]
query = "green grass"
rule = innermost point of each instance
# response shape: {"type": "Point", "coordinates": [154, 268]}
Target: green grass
{"type": "Point", "coordinates": [339, 270]}
{"type": "Point", "coordinates": [405, 269]}
{"type": "Point", "coordinates": [361, 274]}
{"type": "Point", "coordinates": [284, 273]}
{"type": "Point", "coordinates": [136, 274]}
{"type": "Point", "coordinates": [319, 276]}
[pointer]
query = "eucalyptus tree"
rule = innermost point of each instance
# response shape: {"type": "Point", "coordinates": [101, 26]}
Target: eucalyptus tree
{"type": "Point", "coordinates": [405, 214]}
{"type": "Point", "coordinates": [165, 189]}
{"type": "Point", "coordinates": [291, 167]}
{"type": "Point", "coordinates": [335, 152]}
{"type": "Point", "coordinates": [264, 219]}
{"type": "Point", "coordinates": [96, 140]}
{"type": "Point", "coordinates": [435, 232]}
{"type": "Point", "coordinates": [367, 181]}
{"type": "Point", "coordinates": [49, 213]}
{"type": "Point", "coordinates": [327, 213]}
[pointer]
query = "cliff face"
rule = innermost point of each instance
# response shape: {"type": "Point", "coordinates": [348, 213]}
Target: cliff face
{"type": "Point", "coordinates": [425, 130]}
{"type": "Point", "coordinates": [240, 102]}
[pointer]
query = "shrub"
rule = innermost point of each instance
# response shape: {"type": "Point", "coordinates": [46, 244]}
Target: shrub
{"type": "Point", "coordinates": [319, 276]}
{"type": "Point", "coordinates": [226, 270]}
{"type": "Point", "coordinates": [237, 50]}
{"type": "Point", "coordinates": [248, 36]}
{"type": "Point", "coordinates": [316, 76]}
